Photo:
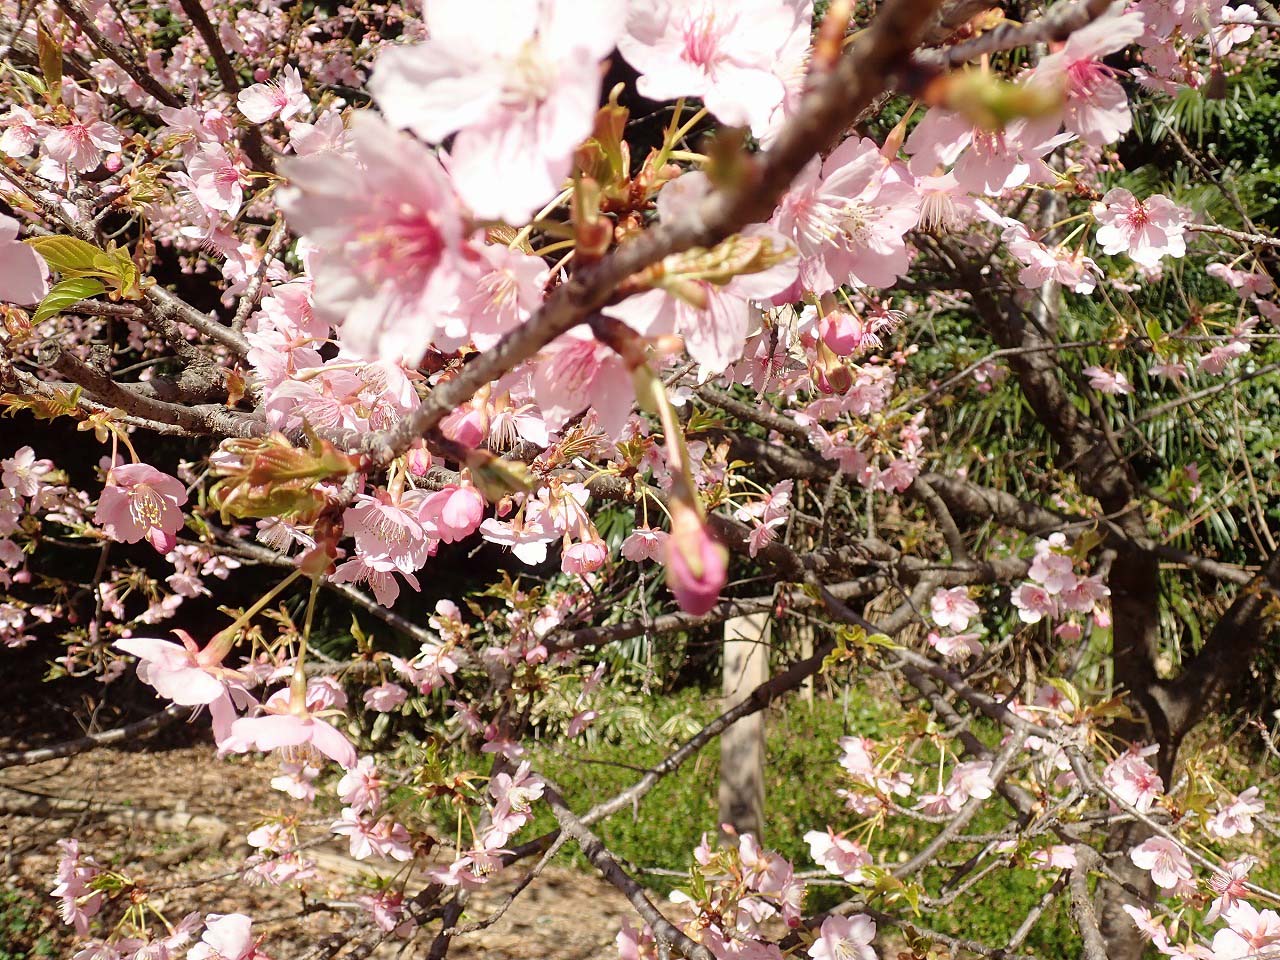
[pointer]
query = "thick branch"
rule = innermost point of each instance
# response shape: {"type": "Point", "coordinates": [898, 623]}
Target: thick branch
{"type": "Point", "coordinates": [133, 731]}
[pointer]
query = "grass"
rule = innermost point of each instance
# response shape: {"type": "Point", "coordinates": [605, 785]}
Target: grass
{"type": "Point", "coordinates": [24, 935]}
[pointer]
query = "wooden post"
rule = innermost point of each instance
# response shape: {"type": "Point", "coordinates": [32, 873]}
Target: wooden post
{"type": "Point", "coordinates": [746, 666]}
{"type": "Point", "coordinates": [804, 633]}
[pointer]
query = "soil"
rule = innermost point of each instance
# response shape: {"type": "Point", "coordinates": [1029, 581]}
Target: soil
{"type": "Point", "coordinates": [175, 817]}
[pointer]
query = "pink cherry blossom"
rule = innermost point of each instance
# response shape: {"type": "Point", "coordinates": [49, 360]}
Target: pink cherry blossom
{"type": "Point", "coordinates": [845, 938]}
{"type": "Point", "coordinates": [217, 180]}
{"type": "Point", "coordinates": [453, 513]}
{"type": "Point", "coordinates": [1150, 928]}
{"type": "Point", "coordinates": [79, 903]}
{"type": "Point", "coordinates": [585, 556]}
{"type": "Point", "coordinates": [368, 838]}
{"type": "Point", "coordinates": [1108, 381]}
{"type": "Point", "coordinates": [1164, 859]}
{"type": "Point", "coordinates": [506, 293]}
{"type": "Point", "coordinates": [955, 646]}
{"type": "Point", "coordinates": [1096, 107]}
{"type": "Point", "coordinates": [297, 780]}
{"type": "Point", "coordinates": [1041, 264]}
{"type": "Point", "coordinates": [389, 236]}
{"type": "Point", "coordinates": [226, 937]}
{"type": "Point", "coordinates": [140, 502]}
{"type": "Point", "coordinates": [23, 473]}
{"type": "Point", "coordinates": [520, 94]}
{"type": "Point", "coordinates": [1235, 27]}
{"type": "Point", "coordinates": [848, 216]}
{"type": "Point", "coordinates": [838, 855]}
{"type": "Point", "coordinates": [1034, 603]}
{"type": "Point", "coordinates": [1133, 779]}
{"type": "Point", "coordinates": [21, 133]}
{"type": "Point", "coordinates": [971, 780]}
{"type": "Point", "coordinates": [727, 55]}
{"type": "Point", "coordinates": [24, 276]}
{"type": "Point", "coordinates": [1230, 886]}
{"type": "Point", "coordinates": [576, 371]}
{"type": "Point", "coordinates": [79, 144]}
{"type": "Point", "coordinates": [1250, 933]}
{"type": "Point", "coordinates": [282, 97]}
{"type": "Point", "coordinates": [986, 161]}
{"type": "Point", "coordinates": [361, 788]}
{"type": "Point", "coordinates": [385, 697]}
{"type": "Point", "coordinates": [280, 725]}
{"type": "Point", "coordinates": [390, 913]}
{"type": "Point", "coordinates": [644, 543]}
{"type": "Point", "coordinates": [179, 672]}
{"type": "Point", "coordinates": [1144, 229]}
{"type": "Point", "coordinates": [1237, 816]}
{"type": "Point", "coordinates": [953, 609]}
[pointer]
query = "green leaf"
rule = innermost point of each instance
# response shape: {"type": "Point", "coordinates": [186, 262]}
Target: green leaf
{"type": "Point", "coordinates": [76, 258]}
{"type": "Point", "coordinates": [66, 294]}
{"type": "Point", "coordinates": [67, 255]}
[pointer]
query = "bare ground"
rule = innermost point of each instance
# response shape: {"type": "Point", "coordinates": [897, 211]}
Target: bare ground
{"type": "Point", "coordinates": [176, 818]}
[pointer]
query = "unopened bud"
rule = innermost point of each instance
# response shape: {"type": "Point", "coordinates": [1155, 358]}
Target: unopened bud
{"type": "Point", "coordinates": [697, 565]}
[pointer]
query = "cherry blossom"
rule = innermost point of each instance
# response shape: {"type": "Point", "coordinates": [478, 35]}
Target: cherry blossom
{"type": "Point", "coordinates": [283, 97]}
{"type": "Point", "coordinates": [1249, 933]}
{"type": "Point", "coordinates": [1146, 230]}
{"type": "Point", "coordinates": [1235, 27]}
{"type": "Point", "coordinates": [1107, 381]}
{"type": "Point", "coordinates": [838, 855]}
{"type": "Point", "coordinates": [21, 133]}
{"type": "Point", "coordinates": [217, 180]}
{"type": "Point", "coordinates": [848, 215]}
{"type": "Point", "coordinates": [1164, 859]}
{"type": "Point", "coordinates": [520, 94]}
{"type": "Point", "coordinates": [80, 143]}
{"type": "Point", "coordinates": [24, 276]}
{"type": "Point", "coordinates": [389, 233]}
{"type": "Point", "coordinates": [282, 725]}
{"type": "Point", "coordinates": [1096, 107]}
{"type": "Point", "coordinates": [985, 161]}
{"type": "Point", "coordinates": [22, 473]}
{"type": "Point", "coordinates": [726, 56]}
{"type": "Point", "coordinates": [1237, 816]}
{"type": "Point", "coordinates": [953, 609]}
{"type": "Point", "coordinates": [139, 502]}
{"type": "Point", "coordinates": [1133, 779]}
{"type": "Point", "coordinates": [845, 938]}
{"type": "Point", "coordinates": [226, 937]}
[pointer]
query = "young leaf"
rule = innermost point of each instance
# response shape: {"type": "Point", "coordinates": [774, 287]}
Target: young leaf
{"type": "Point", "coordinates": [67, 255]}
{"type": "Point", "coordinates": [50, 52]}
{"type": "Point", "coordinates": [66, 293]}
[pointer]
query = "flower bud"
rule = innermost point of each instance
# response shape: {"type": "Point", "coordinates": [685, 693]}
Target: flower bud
{"type": "Point", "coordinates": [697, 566]}
{"type": "Point", "coordinates": [418, 459]}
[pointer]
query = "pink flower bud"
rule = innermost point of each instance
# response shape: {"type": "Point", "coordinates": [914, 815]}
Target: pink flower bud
{"type": "Point", "coordinates": [452, 514]}
{"type": "Point", "coordinates": [418, 458]}
{"type": "Point", "coordinates": [844, 333]}
{"type": "Point", "coordinates": [697, 566]}
{"type": "Point", "coordinates": [466, 426]}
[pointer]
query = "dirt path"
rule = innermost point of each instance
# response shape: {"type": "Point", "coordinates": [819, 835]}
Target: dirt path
{"type": "Point", "coordinates": [177, 816]}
